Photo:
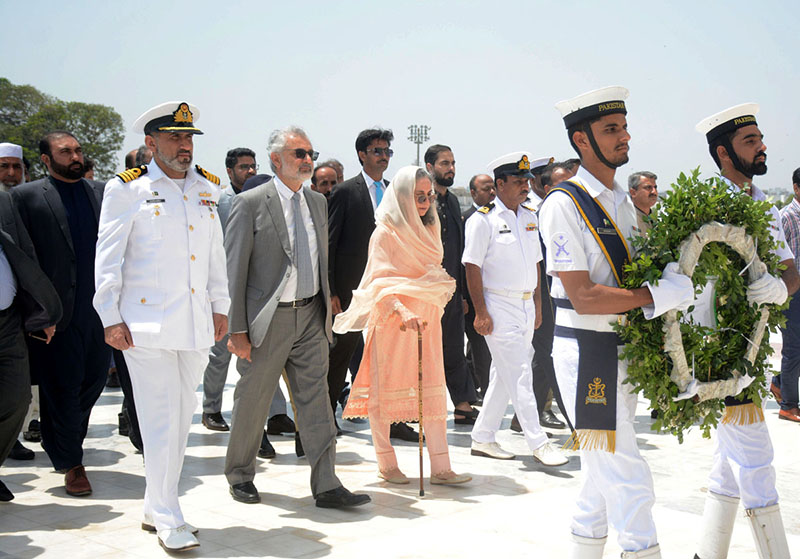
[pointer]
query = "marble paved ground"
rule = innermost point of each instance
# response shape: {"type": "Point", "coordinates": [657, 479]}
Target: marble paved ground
{"type": "Point", "coordinates": [511, 509]}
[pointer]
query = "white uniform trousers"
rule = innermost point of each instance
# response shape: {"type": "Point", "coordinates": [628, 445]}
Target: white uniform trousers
{"type": "Point", "coordinates": [510, 375]}
{"type": "Point", "coordinates": [743, 465]}
{"type": "Point", "coordinates": [164, 384]}
{"type": "Point", "coordinates": [617, 488]}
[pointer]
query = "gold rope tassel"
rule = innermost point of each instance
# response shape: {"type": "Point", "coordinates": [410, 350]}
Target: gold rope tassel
{"type": "Point", "coordinates": [572, 442]}
{"type": "Point", "coordinates": [592, 439]}
{"type": "Point", "coordinates": [746, 414]}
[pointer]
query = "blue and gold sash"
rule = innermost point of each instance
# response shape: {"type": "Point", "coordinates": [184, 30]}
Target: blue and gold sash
{"type": "Point", "coordinates": [603, 228]}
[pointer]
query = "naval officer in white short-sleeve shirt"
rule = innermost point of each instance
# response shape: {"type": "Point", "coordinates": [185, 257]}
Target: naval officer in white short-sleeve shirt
{"type": "Point", "coordinates": [501, 258]}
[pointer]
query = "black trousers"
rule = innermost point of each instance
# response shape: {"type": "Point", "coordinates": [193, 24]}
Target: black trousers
{"type": "Point", "coordinates": [15, 380]}
{"type": "Point", "coordinates": [72, 371]}
{"type": "Point", "coordinates": [459, 381]}
{"type": "Point", "coordinates": [339, 360]}
{"type": "Point", "coordinates": [544, 374]}
{"type": "Point", "coordinates": [128, 404]}
{"type": "Point", "coordinates": [479, 359]}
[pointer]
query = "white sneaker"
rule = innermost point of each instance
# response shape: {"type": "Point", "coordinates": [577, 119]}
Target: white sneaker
{"type": "Point", "coordinates": [490, 450]}
{"type": "Point", "coordinates": [549, 455]}
{"type": "Point", "coordinates": [179, 539]}
{"type": "Point", "coordinates": [149, 526]}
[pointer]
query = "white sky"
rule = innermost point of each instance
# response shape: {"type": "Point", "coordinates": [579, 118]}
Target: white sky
{"type": "Point", "coordinates": [484, 76]}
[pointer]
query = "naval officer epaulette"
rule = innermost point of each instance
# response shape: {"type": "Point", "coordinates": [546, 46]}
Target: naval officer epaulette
{"type": "Point", "coordinates": [209, 177]}
{"type": "Point", "coordinates": [527, 207]}
{"type": "Point", "coordinates": [486, 209]}
{"type": "Point", "coordinates": [133, 173]}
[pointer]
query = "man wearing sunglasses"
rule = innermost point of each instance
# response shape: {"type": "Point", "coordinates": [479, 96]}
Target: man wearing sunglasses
{"type": "Point", "coordinates": [280, 318]}
{"type": "Point", "coordinates": [351, 218]}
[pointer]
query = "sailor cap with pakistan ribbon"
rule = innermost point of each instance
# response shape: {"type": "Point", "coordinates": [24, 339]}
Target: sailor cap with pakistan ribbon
{"type": "Point", "coordinates": [728, 121]}
{"type": "Point", "coordinates": [594, 104]}
{"type": "Point", "coordinates": [173, 116]}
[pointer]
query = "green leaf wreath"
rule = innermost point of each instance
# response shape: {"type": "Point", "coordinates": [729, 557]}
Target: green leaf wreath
{"type": "Point", "coordinates": [712, 353]}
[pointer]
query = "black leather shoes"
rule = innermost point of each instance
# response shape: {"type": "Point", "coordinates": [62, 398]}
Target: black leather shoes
{"type": "Point", "coordinates": [298, 445]}
{"type": "Point", "coordinates": [548, 419]}
{"type": "Point", "coordinates": [280, 424]}
{"type": "Point", "coordinates": [5, 493]}
{"type": "Point", "coordinates": [245, 492]}
{"type": "Point", "coordinates": [404, 433]}
{"type": "Point", "coordinates": [340, 498]}
{"type": "Point", "coordinates": [19, 452]}
{"type": "Point", "coordinates": [517, 428]}
{"type": "Point", "coordinates": [266, 450]}
{"type": "Point", "coordinates": [215, 422]}
{"type": "Point", "coordinates": [34, 432]}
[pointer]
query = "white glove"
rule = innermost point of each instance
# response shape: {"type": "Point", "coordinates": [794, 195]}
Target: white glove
{"type": "Point", "coordinates": [767, 289]}
{"type": "Point", "coordinates": [674, 291]}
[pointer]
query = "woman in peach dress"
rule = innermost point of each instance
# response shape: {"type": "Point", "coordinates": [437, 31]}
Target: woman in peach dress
{"type": "Point", "coordinates": [404, 290]}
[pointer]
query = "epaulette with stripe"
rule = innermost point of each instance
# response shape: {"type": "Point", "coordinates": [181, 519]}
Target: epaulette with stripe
{"type": "Point", "coordinates": [133, 173]}
{"type": "Point", "coordinates": [527, 207]}
{"type": "Point", "coordinates": [486, 209]}
{"type": "Point", "coordinates": [209, 177]}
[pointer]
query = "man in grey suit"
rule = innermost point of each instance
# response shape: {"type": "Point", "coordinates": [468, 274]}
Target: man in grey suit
{"type": "Point", "coordinates": [280, 317]}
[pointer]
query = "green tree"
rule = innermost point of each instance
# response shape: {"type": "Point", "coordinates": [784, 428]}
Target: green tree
{"type": "Point", "coordinates": [26, 114]}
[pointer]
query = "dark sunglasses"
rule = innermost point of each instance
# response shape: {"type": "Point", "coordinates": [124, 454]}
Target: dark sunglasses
{"type": "Point", "coordinates": [381, 151]}
{"type": "Point", "coordinates": [426, 198]}
{"type": "Point", "coordinates": [301, 154]}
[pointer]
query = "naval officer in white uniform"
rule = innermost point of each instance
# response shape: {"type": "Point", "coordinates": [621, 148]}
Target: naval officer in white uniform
{"type": "Point", "coordinates": [162, 294]}
{"type": "Point", "coordinates": [501, 258]}
{"type": "Point", "coordinates": [617, 485]}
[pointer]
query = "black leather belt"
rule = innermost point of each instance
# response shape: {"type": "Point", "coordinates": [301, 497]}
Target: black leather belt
{"type": "Point", "coordinates": [297, 303]}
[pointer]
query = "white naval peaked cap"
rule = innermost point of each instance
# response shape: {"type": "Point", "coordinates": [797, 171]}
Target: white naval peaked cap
{"type": "Point", "coordinates": [517, 163]}
{"type": "Point", "coordinates": [173, 116]}
{"type": "Point", "coordinates": [8, 149]}
{"type": "Point", "coordinates": [728, 120]}
{"type": "Point", "coordinates": [593, 104]}
{"type": "Point", "coordinates": [541, 162]}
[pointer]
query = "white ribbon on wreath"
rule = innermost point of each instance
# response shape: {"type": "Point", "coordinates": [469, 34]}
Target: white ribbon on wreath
{"type": "Point", "coordinates": [682, 374]}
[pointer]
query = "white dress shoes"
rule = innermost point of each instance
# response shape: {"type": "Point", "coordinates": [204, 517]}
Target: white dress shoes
{"type": "Point", "coordinates": [549, 455]}
{"type": "Point", "coordinates": [178, 539]}
{"type": "Point", "coordinates": [148, 526]}
{"type": "Point", "coordinates": [490, 450]}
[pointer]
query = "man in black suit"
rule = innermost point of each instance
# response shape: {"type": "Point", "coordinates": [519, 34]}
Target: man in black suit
{"type": "Point", "coordinates": [351, 221]}
{"type": "Point", "coordinates": [481, 188]}
{"type": "Point", "coordinates": [441, 164]}
{"type": "Point", "coordinates": [28, 302]}
{"type": "Point", "coordinates": [61, 214]}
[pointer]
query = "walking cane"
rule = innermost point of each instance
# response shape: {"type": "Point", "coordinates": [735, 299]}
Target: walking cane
{"type": "Point", "coordinates": [419, 396]}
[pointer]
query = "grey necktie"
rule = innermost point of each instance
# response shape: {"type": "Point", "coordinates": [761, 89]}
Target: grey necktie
{"type": "Point", "coordinates": [302, 253]}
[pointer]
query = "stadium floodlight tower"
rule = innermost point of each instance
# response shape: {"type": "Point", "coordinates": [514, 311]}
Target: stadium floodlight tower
{"type": "Point", "coordinates": [418, 133]}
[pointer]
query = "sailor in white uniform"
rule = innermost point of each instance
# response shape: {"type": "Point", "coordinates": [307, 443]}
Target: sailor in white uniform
{"type": "Point", "coordinates": [501, 257]}
{"type": "Point", "coordinates": [586, 226]}
{"type": "Point", "coordinates": [742, 468]}
{"type": "Point", "coordinates": [162, 294]}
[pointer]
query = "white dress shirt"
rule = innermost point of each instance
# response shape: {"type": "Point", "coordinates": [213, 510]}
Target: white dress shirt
{"type": "Point", "coordinates": [371, 187]}
{"type": "Point", "coordinates": [8, 283]}
{"type": "Point", "coordinates": [505, 246]}
{"type": "Point", "coordinates": [285, 196]}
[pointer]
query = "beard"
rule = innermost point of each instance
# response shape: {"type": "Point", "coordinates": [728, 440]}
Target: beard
{"type": "Point", "coordinates": [754, 167]}
{"type": "Point", "coordinates": [444, 181]}
{"type": "Point", "coordinates": [173, 162]}
{"type": "Point", "coordinates": [73, 171]}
